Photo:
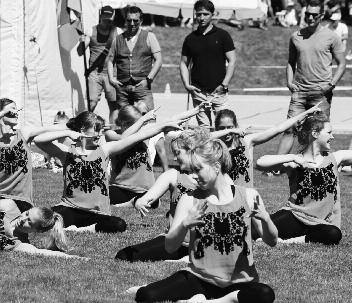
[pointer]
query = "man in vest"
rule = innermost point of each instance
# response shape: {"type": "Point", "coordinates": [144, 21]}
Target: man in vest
{"type": "Point", "coordinates": [133, 52]}
{"type": "Point", "coordinates": [99, 44]}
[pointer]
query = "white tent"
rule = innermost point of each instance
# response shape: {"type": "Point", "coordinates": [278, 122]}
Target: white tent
{"type": "Point", "coordinates": [223, 8]}
{"type": "Point", "coordinates": [39, 74]}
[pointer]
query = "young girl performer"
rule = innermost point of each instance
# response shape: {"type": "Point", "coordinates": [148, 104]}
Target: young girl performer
{"type": "Point", "coordinates": [15, 226]}
{"type": "Point", "coordinates": [313, 210]}
{"type": "Point", "coordinates": [219, 216]}
{"type": "Point", "coordinates": [15, 156]}
{"type": "Point", "coordinates": [85, 200]}
{"type": "Point", "coordinates": [178, 183]}
{"type": "Point", "coordinates": [241, 148]}
{"type": "Point", "coordinates": [131, 174]}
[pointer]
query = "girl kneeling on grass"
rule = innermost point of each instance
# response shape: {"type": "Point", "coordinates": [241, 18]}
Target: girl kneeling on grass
{"type": "Point", "coordinates": [85, 200]}
{"type": "Point", "coordinates": [241, 144]}
{"type": "Point", "coordinates": [178, 183]}
{"type": "Point", "coordinates": [313, 210]}
{"type": "Point", "coordinates": [219, 216]}
{"type": "Point", "coordinates": [15, 227]}
{"type": "Point", "coordinates": [15, 157]}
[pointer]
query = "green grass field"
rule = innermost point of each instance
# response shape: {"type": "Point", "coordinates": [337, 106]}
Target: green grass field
{"type": "Point", "coordinates": [303, 273]}
{"type": "Point", "coordinates": [254, 47]}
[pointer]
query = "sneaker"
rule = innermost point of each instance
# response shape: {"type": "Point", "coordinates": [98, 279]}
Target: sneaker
{"type": "Point", "coordinates": [272, 173]}
{"type": "Point", "coordinates": [346, 169]}
{"type": "Point", "coordinates": [199, 298]}
{"type": "Point", "coordinates": [349, 55]}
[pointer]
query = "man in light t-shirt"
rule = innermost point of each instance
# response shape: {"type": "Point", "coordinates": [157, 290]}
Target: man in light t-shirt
{"type": "Point", "coordinates": [309, 68]}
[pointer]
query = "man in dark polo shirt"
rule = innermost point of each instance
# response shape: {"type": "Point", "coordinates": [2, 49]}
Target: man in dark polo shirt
{"type": "Point", "coordinates": [208, 48]}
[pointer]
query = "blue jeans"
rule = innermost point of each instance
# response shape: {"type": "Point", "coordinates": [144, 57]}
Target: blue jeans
{"type": "Point", "coordinates": [301, 101]}
{"type": "Point", "coordinates": [218, 102]}
{"type": "Point", "coordinates": [132, 94]}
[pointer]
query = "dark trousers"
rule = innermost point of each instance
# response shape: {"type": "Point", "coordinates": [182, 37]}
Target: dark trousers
{"type": "Point", "coordinates": [81, 218]}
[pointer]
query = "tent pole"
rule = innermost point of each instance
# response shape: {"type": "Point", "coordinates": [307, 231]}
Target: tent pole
{"type": "Point", "coordinates": [24, 60]}
{"type": "Point", "coordinates": [86, 76]}
{"type": "Point", "coordinates": [85, 66]}
{"type": "Point", "coordinates": [189, 67]}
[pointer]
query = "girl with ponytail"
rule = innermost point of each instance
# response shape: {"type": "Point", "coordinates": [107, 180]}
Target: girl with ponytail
{"type": "Point", "coordinates": [15, 227]}
{"type": "Point", "coordinates": [15, 155]}
{"type": "Point", "coordinates": [312, 212]}
{"type": "Point", "coordinates": [241, 144]}
{"type": "Point", "coordinates": [178, 182]}
{"type": "Point", "coordinates": [85, 203]}
{"type": "Point", "coordinates": [219, 217]}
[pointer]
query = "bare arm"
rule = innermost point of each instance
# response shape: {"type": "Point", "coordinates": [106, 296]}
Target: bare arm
{"type": "Point", "coordinates": [341, 67]}
{"type": "Point", "coordinates": [261, 219]}
{"type": "Point", "coordinates": [111, 135]}
{"type": "Point", "coordinates": [116, 147]}
{"type": "Point", "coordinates": [29, 248]}
{"type": "Point", "coordinates": [140, 122]}
{"type": "Point", "coordinates": [185, 77]}
{"type": "Point", "coordinates": [45, 142]}
{"type": "Point", "coordinates": [262, 137]}
{"type": "Point", "coordinates": [268, 162]}
{"type": "Point", "coordinates": [84, 43]}
{"type": "Point", "coordinates": [30, 132]}
{"type": "Point", "coordinates": [178, 229]}
{"type": "Point", "coordinates": [158, 61]}
{"type": "Point", "coordinates": [166, 180]}
{"type": "Point", "coordinates": [291, 67]}
{"type": "Point", "coordinates": [231, 60]}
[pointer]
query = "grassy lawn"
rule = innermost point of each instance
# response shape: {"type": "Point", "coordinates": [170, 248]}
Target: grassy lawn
{"type": "Point", "coordinates": [254, 47]}
{"type": "Point", "coordinates": [304, 273]}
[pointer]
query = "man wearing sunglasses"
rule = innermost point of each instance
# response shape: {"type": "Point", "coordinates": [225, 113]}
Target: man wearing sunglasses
{"type": "Point", "coordinates": [137, 56]}
{"type": "Point", "coordinates": [309, 69]}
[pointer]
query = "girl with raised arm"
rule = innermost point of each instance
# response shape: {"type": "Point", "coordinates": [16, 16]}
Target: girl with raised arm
{"type": "Point", "coordinates": [313, 210]}
{"type": "Point", "coordinates": [85, 201]}
{"type": "Point", "coordinates": [220, 217]}
{"type": "Point", "coordinates": [241, 144]}
{"type": "Point", "coordinates": [178, 182]}
{"type": "Point", "coordinates": [15, 156]}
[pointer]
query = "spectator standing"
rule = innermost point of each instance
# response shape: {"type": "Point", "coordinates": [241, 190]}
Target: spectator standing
{"type": "Point", "coordinates": [99, 44]}
{"type": "Point", "coordinates": [208, 47]}
{"type": "Point", "coordinates": [133, 53]}
{"type": "Point", "coordinates": [309, 71]}
{"type": "Point", "coordinates": [339, 28]}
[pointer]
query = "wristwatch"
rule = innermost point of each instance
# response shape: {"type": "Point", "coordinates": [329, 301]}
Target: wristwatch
{"type": "Point", "coordinates": [149, 80]}
{"type": "Point", "coordinates": [332, 85]}
{"type": "Point", "coordinates": [225, 87]}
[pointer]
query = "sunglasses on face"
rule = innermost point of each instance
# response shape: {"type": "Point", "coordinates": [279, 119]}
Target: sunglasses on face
{"type": "Point", "coordinates": [314, 15]}
{"type": "Point", "coordinates": [225, 127]}
{"type": "Point", "coordinates": [135, 21]}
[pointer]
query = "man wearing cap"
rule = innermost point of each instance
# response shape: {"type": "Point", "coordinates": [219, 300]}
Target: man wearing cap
{"type": "Point", "coordinates": [338, 27]}
{"type": "Point", "coordinates": [208, 48]}
{"type": "Point", "coordinates": [99, 44]}
{"type": "Point", "coordinates": [137, 56]}
{"type": "Point", "coordinates": [309, 72]}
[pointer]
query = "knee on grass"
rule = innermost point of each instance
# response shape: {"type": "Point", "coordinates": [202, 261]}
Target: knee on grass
{"type": "Point", "coordinates": [126, 254]}
{"type": "Point", "coordinates": [146, 294]}
{"type": "Point", "coordinates": [325, 234]}
{"type": "Point", "coordinates": [258, 293]}
{"type": "Point", "coordinates": [111, 225]}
